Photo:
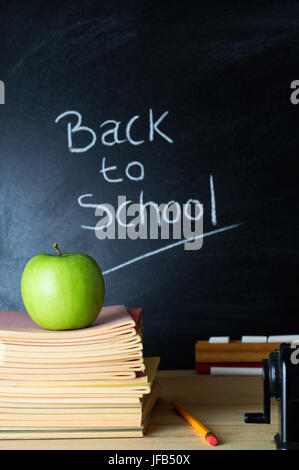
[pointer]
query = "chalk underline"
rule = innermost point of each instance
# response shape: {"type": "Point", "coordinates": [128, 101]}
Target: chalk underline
{"type": "Point", "coordinates": [171, 245]}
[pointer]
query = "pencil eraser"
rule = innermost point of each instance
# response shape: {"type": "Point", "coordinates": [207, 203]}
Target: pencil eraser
{"type": "Point", "coordinates": [212, 440]}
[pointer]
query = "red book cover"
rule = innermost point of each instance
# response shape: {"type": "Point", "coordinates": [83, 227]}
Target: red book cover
{"type": "Point", "coordinates": [136, 314]}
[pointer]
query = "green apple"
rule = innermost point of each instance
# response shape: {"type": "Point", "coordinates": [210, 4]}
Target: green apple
{"type": "Point", "coordinates": [63, 292]}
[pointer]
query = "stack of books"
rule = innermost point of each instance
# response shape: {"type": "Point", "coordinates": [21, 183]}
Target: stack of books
{"type": "Point", "coordinates": [92, 382]}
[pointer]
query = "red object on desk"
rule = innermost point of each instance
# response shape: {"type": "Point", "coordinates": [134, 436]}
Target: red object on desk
{"type": "Point", "coordinates": [205, 367]}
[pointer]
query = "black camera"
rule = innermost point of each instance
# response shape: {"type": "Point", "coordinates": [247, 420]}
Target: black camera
{"type": "Point", "coordinates": [281, 381]}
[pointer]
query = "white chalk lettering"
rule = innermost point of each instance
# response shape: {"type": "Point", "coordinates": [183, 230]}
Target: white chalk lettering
{"type": "Point", "coordinates": [154, 127]}
{"type": "Point", "coordinates": [135, 178]}
{"type": "Point", "coordinates": [105, 169]}
{"type": "Point", "coordinates": [113, 131]}
{"type": "Point", "coordinates": [128, 132]}
{"type": "Point", "coordinates": [111, 135]}
{"type": "Point", "coordinates": [213, 201]}
{"type": "Point", "coordinates": [77, 128]}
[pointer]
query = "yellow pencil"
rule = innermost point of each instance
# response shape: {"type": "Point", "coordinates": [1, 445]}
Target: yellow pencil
{"type": "Point", "coordinates": [195, 423]}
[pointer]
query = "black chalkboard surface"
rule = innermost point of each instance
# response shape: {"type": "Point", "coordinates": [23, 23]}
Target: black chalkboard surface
{"type": "Point", "coordinates": [198, 94]}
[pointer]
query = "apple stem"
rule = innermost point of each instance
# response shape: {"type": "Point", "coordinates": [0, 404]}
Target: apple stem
{"type": "Point", "coordinates": [57, 249]}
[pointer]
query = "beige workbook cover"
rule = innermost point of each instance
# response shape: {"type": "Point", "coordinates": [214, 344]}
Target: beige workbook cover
{"type": "Point", "coordinates": [72, 359]}
{"type": "Point", "coordinates": [72, 434]}
{"type": "Point", "coordinates": [78, 352]}
{"type": "Point", "coordinates": [122, 334]}
{"type": "Point", "coordinates": [16, 412]}
{"type": "Point", "coordinates": [69, 400]}
{"type": "Point", "coordinates": [107, 343]}
{"type": "Point", "coordinates": [81, 387]}
{"type": "Point", "coordinates": [79, 390]}
{"type": "Point", "coordinates": [134, 364]}
{"type": "Point", "coordinates": [78, 376]}
{"type": "Point", "coordinates": [132, 383]}
{"type": "Point", "coordinates": [73, 421]}
{"type": "Point", "coordinates": [19, 325]}
{"type": "Point", "coordinates": [55, 433]}
{"type": "Point", "coordinates": [121, 372]}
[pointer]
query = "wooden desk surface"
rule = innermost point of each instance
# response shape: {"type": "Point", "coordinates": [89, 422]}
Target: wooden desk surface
{"type": "Point", "coordinates": [219, 402]}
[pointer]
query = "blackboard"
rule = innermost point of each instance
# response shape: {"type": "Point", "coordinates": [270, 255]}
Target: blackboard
{"type": "Point", "coordinates": [219, 76]}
